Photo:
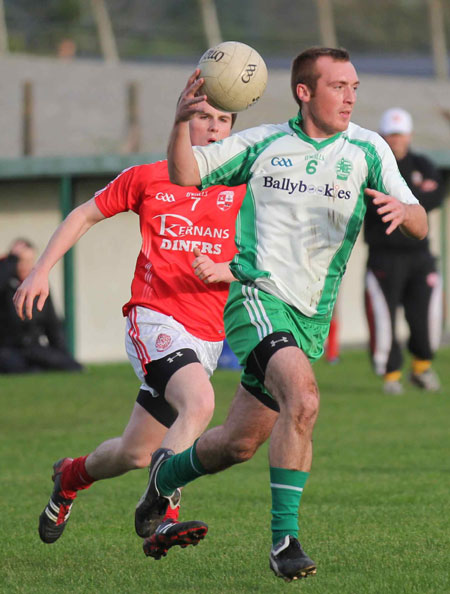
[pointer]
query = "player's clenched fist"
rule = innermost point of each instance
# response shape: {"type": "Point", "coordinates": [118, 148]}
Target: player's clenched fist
{"type": "Point", "coordinates": [209, 271]}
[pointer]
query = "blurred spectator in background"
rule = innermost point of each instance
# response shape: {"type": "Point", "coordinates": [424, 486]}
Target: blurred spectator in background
{"type": "Point", "coordinates": [402, 271]}
{"type": "Point", "coordinates": [30, 345]}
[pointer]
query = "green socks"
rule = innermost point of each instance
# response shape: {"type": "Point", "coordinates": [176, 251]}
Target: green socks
{"type": "Point", "coordinates": [287, 488]}
{"type": "Point", "coordinates": [179, 470]}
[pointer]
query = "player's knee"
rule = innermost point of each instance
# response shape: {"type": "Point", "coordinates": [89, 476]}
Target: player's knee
{"type": "Point", "coordinates": [303, 408]}
{"type": "Point", "coordinates": [205, 407]}
{"type": "Point", "coordinates": [199, 411]}
{"type": "Point", "coordinates": [309, 407]}
{"type": "Point", "coordinates": [200, 417]}
{"type": "Point", "coordinates": [135, 458]}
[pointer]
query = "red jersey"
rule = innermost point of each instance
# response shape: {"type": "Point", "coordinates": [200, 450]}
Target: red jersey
{"type": "Point", "coordinates": [173, 220]}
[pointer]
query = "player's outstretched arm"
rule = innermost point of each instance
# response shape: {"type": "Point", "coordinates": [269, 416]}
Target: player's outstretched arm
{"type": "Point", "coordinates": [66, 235]}
{"type": "Point", "coordinates": [410, 218]}
{"type": "Point", "coordinates": [209, 271]}
{"type": "Point", "coordinates": [183, 169]}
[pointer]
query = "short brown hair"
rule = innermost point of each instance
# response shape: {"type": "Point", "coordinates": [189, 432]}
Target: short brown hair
{"type": "Point", "coordinates": [233, 115]}
{"type": "Point", "coordinates": [303, 66]}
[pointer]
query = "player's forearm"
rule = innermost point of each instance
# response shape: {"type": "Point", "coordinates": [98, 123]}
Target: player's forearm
{"type": "Point", "coordinates": [415, 224]}
{"type": "Point", "coordinates": [183, 168]}
{"type": "Point", "coordinates": [224, 273]}
{"type": "Point", "coordinates": [67, 234]}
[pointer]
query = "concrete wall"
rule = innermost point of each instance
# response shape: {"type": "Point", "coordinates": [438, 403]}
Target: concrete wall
{"type": "Point", "coordinates": [80, 109]}
{"type": "Point", "coordinates": [80, 106]}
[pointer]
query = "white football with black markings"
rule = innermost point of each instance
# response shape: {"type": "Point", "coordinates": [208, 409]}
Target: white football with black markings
{"type": "Point", "coordinates": [235, 76]}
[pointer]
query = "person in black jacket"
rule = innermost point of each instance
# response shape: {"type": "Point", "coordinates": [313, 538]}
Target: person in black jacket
{"type": "Point", "coordinates": [402, 271]}
{"type": "Point", "coordinates": [29, 345]}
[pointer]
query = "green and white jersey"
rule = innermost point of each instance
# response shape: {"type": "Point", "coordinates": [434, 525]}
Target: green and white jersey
{"type": "Point", "coordinates": [304, 206]}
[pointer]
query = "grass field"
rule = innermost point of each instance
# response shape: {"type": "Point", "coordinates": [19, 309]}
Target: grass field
{"type": "Point", "coordinates": [375, 515]}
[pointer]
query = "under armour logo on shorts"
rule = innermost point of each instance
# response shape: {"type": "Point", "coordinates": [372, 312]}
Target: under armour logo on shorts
{"type": "Point", "coordinates": [172, 359]}
{"type": "Point", "coordinates": [274, 342]}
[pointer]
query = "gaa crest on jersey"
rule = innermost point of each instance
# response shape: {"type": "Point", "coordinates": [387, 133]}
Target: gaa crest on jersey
{"type": "Point", "coordinates": [163, 342]}
{"type": "Point", "coordinates": [225, 200]}
{"type": "Point", "coordinates": [343, 168]}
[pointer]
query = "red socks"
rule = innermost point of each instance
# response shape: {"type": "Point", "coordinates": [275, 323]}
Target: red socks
{"type": "Point", "coordinates": [172, 514]}
{"type": "Point", "coordinates": [75, 477]}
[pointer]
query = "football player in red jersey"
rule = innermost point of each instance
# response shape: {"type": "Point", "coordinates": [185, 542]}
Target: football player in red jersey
{"type": "Point", "coordinates": [174, 323]}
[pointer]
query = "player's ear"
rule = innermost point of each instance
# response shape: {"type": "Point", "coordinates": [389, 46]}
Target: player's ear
{"type": "Point", "coordinates": [303, 92]}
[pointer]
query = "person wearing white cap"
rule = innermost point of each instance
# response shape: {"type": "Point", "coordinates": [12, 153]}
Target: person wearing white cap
{"type": "Point", "coordinates": [402, 272]}
{"type": "Point", "coordinates": [396, 121]}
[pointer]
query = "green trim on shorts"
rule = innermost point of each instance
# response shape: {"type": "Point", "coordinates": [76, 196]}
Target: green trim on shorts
{"type": "Point", "coordinates": [251, 314]}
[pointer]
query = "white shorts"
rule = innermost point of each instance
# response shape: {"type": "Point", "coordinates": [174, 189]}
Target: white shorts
{"type": "Point", "coordinates": [151, 335]}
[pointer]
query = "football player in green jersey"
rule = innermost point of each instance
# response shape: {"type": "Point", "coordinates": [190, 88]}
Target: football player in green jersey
{"type": "Point", "coordinates": [308, 183]}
